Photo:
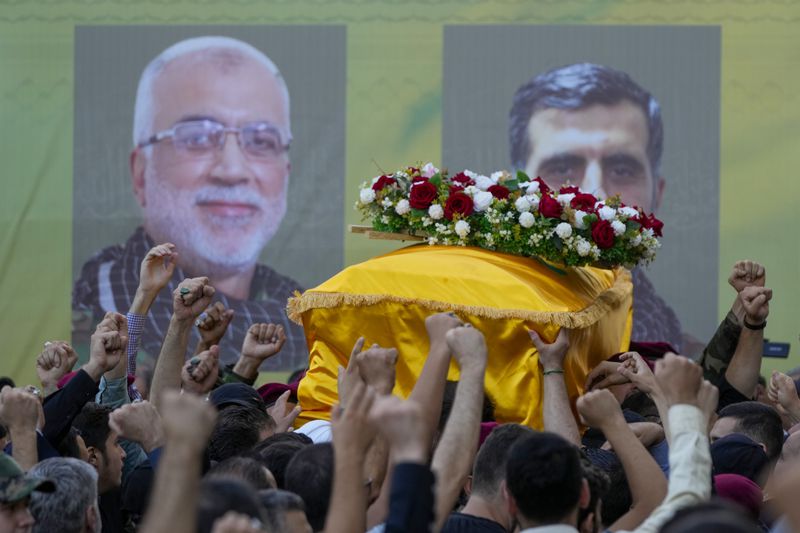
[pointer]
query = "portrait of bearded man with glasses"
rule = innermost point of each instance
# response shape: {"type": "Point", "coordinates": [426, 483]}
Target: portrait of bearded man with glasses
{"type": "Point", "coordinates": [210, 169]}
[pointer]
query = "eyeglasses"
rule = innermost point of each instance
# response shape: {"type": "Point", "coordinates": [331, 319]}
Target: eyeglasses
{"type": "Point", "coordinates": [261, 140]}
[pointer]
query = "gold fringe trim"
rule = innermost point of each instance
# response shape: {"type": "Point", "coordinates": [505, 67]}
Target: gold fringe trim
{"type": "Point", "coordinates": [605, 302]}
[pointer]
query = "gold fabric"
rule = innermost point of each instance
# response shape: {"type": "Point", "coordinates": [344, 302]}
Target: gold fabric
{"type": "Point", "coordinates": [387, 298]}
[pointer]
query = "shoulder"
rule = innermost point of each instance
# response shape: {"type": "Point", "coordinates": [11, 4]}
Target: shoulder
{"type": "Point", "coordinates": [459, 522]}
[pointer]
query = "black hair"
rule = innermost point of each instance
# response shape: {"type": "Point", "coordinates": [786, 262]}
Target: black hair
{"type": "Point", "coordinates": [6, 381]}
{"type": "Point", "coordinates": [598, 482]}
{"type": "Point", "coordinates": [277, 451]}
{"type": "Point", "coordinates": [544, 476]}
{"type": "Point", "coordinates": [758, 421]}
{"type": "Point", "coordinates": [618, 498]}
{"type": "Point", "coordinates": [68, 447]}
{"type": "Point", "coordinates": [242, 468]}
{"type": "Point", "coordinates": [490, 462]}
{"type": "Point", "coordinates": [449, 398]}
{"type": "Point", "coordinates": [578, 86]}
{"type": "Point", "coordinates": [237, 431]}
{"type": "Point", "coordinates": [218, 496]}
{"type": "Point", "coordinates": [275, 504]}
{"type": "Point", "coordinates": [310, 476]}
{"type": "Point", "coordinates": [92, 424]}
{"type": "Point", "coordinates": [715, 516]}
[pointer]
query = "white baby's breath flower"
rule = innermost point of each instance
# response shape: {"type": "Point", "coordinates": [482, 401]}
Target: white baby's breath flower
{"type": "Point", "coordinates": [462, 228]}
{"type": "Point", "coordinates": [483, 182]}
{"type": "Point", "coordinates": [526, 220]}
{"type": "Point", "coordinates": [482, 200]}
{"type": "Point", "coordinates": [618, 227]}
{"type": "Point", "coordinates": [607, 213]}
{"type": "Point", "coordinates": [433, 240]}
{"type": "Point", "coordinates": [387, 202]}
{"type": "Point", "coordinates": [565, 199]}
{"type": "Point", "coordinates": [564, 230]}
{"type": "Point", "coordinates": [471, 190]}
{"type": "Point", "coordinates": [402, 207]}
{"type": "Point", "coordinates": [579, 223]}
{"type": "Point", "coordinates": [636, 241]}
{"type": "Point", "coordinates": [435, 211]}
{"type": "Point", "coordinates": [367, 195]}
{"type": "Point", "coordinates": [648, 233]}
{"type": "Point", "coordinates": [522, 204]}
{"type": "Point", "coordinates": [583, 247]}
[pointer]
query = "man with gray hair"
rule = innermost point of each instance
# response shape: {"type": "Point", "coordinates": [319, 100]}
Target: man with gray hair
{"type": "Point", "coordinates": [210, 170]}
{"type": "Point", "coordinates": [72, 507]}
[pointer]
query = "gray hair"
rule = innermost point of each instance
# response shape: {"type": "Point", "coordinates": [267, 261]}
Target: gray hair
{"type": "Point", "coordinates": [76, 490]}
{"type": "Point", "coordinates": [210, 46]}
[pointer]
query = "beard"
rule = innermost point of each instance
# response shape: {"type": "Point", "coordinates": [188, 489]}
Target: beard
{"type": "Point", "coordinates": [211, 244]}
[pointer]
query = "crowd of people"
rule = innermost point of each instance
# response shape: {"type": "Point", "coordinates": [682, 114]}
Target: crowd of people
{"type": "Point", "coordinates": [658, 442]}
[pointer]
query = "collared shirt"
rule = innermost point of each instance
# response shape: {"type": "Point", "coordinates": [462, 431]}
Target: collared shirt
{"type": "Point", "coordinates": [109, 280]}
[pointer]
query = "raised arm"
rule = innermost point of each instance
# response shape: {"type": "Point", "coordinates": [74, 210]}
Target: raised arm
{"type": "Point", "coordinates": [558, 417]}
{"type": "Point", "coordinates": [453, 458]}
{"type": "Point", "coordinates": [261, 342]}
{"type": "Point", "coordinates": [19, 412]}
{"type": "Point", "coordinates": [56, 361]}
{"type": "Point", "coordinates": [188, 301]}
{"type": "Point", "coordinates": [745, 367]}
{"type": "Point", "coordinates": [212, 325]}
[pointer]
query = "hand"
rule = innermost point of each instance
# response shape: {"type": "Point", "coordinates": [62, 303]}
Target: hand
{"type": "Point", "coordinates": [157, 268]}
{"type": "Point", "coordinates": [200, 373]}
{"type": "Point", "coordinates": [116, 322]}
{"type": "Point", "coordinates": [55, 362]}
{"type": "Point", "coordinates": [551, 356]}
{"type": "Point", "coordinates": [782, 391]}
{"type": "Point", "coordinates": [187, 419]}
{"type": "Point", "coordinates": [599, 409]}
{"type": "Point", "coordinates": [605, 375]}
{"type": "Point", "coordinates": [19, 409]}
{"type": "Point", "coordinates": [679, 379]}
{"type": "Point", "coordinates": [400, 422]}
{"type": "Point", "coordinates": [376, 366]}
{"type": "Point", "coordinates": [747, 274]}
{"type": "Point", "coordinates": [190, 298]}
{"type": "Point", "coordinates": [283, 420]}
{"type": "Point", "coordinates": [755, 301]}
{"type": "Point", "coordinates": [468, 347]}
{"type": "Point", "coordinates": [352, 429]}
{"type": "Point", "coordinates": [349, 377]}
{"type": "Point", "coordinates": [212, 324]}
{"type": "Point", "coordinates": [438, 325]}
{"type": "Point", "coordinates": [138, 422]}
{"type": "Point", "coordinates": [106, 349]}
{"type": "Point", "coordinates": [708, 401]}
{"type": "Point", "coordinates": [635, 369]}
{"type": "Point", "coordinates": [233, 522]}
{"type": "Point", "coordinates": [263, 341]}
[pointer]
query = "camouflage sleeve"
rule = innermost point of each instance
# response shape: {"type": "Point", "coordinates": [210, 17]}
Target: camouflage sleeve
{"type": "Point", "coordinates": [719, 351]}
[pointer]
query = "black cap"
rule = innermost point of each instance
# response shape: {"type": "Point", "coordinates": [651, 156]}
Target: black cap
{"type": "Point", "coordinates": [236, 394]}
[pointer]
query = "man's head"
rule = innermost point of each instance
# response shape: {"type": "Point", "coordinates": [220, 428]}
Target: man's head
{"type": "Point", "coordinates": [15, 493]}
{"type": "Point", "coordinates": [102, 445]}
{"type": "Point", "coordinates": [277, 451]}
{"type": "Point", "coordinates": [238, 429]}
{"type": "Point", "coordinates": [590, 517]}
{"type": "Point", "coordinates": [284, 511]}
{"type": "Point", "coordinates": [244, 469]}
{"type": "Point", "coordinates": [759, 422]}
{"type": "Point", "coordinates": [218, 194]}
{"type": "Point", "coordinates": [73, 507]}
{"type": "Point", "coordinates": [591, 126]}
{"type": "Point", "coordinates": [544, 482]}
{"type": "Point", "coordinates": [220, 496]}
{"type": "Point", "coordinates": [310, 476]}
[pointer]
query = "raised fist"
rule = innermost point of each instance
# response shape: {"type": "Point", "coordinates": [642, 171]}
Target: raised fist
{"type": "Point", "coordinates": [755, 301]}
{"type": "Point", "coordinates": [439, 324]}
{"type": "Point", "coordinates": [679, 378]}
{"type": "Point", "coordinates": [213, 322]}
{"type": "Point", "coordinates": [747, 274]}
{"type": "Point", "coordinates": [599, 409]}
{"type": "Point", "coordinates": [200, 373]}
{"type": "Point", "coordinates": [157, 267]}
{"type": "Point", "coordinates": [138, 422]}
{"type": "Point", "coordinates": [191, 298]}
{"type": "Point", "coordinates": [187, 418]}
{"type": "Point", "coordinates": [377, 367]}
{"type": "Point", "coordinates": [263, 341]}
{"type": "Point", "coordinates": [56, 360]}
{"type": "Point", "coordinates": [106, 349]}
{"type": "Point", "coordinates": [468, 346]}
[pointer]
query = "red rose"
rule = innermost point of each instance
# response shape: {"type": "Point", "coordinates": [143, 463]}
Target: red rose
{"type": "Point", "coordinates": [583, 201]}
{"type": "Point", "coordinates": [498, 191]}
{"type": "Point", "coordinates": [422, 195]}
{"type": "Point", "coordinates": [569, 190]}
{"type": "Point", "coordinates": [383, 181]}
{"type": "Point", "coordinates": [603, 234]}
{"type": "Point", "coordinates": [650, 222]}
{"type": "Point", "coordinates": [462, 180]}
{"type": "Point", "coordinates": [543, 188]}
{"type": "Point", "coordinates": [549, 207]}
{"type": "Point", "coordinates": [458, 203]}
{"type": "Point", "coordinates": [418, 178]}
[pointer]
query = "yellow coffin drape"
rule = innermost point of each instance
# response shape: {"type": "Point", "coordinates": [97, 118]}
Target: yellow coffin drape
{"type": "Point", "coordinates": [387, 298]}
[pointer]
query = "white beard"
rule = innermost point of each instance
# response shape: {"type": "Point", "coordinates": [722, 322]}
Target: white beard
{"type": "Point", "coordinates": [212, 245]}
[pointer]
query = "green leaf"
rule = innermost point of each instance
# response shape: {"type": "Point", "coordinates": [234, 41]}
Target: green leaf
{"type": "Point", "coordinates": [512, 185]}
{"type": "Point", "coordinates": [521, 176]}
{"type": "Point", "coordinates": [436, 179]}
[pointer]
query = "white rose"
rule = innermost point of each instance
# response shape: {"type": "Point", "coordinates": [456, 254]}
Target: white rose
{"type": "Point", "coordinates": [402, 207]}
{"type": "Point", "coordinates": [526, 220]}
{"type": "Point", "coordinates": [628, 212]}
{"type": "Point", "coordinates": [607, 213]}
{"type": "Point", "coordinates": [579, 223]}
{"type": "Point", "coordinates": [564, 230]}
{"type": "Point", "coordinates": [497, 175]}
{"type": "Point", "coordinates": [471, 174]}
{"type": "Point", "coordinates": [482, 200]}
{"type": "Point", "coordinates": [462, 228]}
{"type": "Point", "coordinates": [483, 182]}
{"type": "Point", "coordinates": [435, 211]}
{"type": "Point", "coordinates": [533, 187]}
{"type": "Point", "coordinates": [583, 248]}
{"type": "Point", "coordinates": [471, 190]}
{"type": "Point", "coordinates": [522, 204]}
{"type": "Point", "coordinates": [565, 199]}
{"type": "Point", "coordinates": [534, 200]}
{"type": "Point", "coordinates": [367, 195]}
{"type": "Point", "coordinates": [618, 227]}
